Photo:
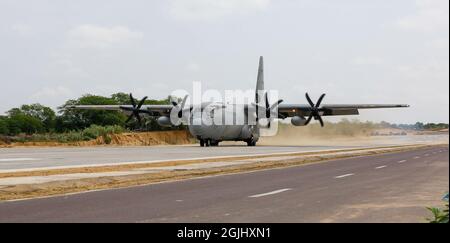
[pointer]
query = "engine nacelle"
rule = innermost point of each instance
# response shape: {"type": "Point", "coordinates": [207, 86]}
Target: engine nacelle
{"type": "Point", "coordinates": [164, 121]}
{"type": "Point", "coordinates": [298, 121]}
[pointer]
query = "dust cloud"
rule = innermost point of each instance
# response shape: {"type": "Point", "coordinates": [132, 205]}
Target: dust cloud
{"type": "Point", "coordinates": [314, 134]}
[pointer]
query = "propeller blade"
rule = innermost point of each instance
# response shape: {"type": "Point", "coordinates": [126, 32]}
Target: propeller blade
{"type": "Point", "coordinates": [320, 100]}
{"type": "Point", "coordinates": [135, 110]}
{"type": "Point", "coordinates": [138, 118]}
{"type": "Point", "coordinates": [184, 101]}
{"type": "Point", "coordinates": [320, 120]}
{"type": "Point", "coordinates": [132, 101]}
{"type": "Point", "coordinates": [276, 104]}
{"type": "Point", "coordinates": [308, 120]}
{"type": "Point", "coordinates": [315, 111]}
{"type": "Point", "coordinates": [266, 98]}
{"type": "Point", "coordinates": [141, 102]}
{"type": "Point", "coordinates": [309, 100]}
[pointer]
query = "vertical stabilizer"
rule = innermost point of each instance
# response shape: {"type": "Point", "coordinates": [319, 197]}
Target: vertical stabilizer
{"type": "Point", "coordinates": [260, 81]}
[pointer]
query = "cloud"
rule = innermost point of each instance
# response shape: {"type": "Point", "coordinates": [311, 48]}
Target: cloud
{"type": "Point", "coordinates": [431, 16]}
{"type": "Point", "coordinates": [101, 37]}
{"type": "Point", "coordinates": [213, 9]}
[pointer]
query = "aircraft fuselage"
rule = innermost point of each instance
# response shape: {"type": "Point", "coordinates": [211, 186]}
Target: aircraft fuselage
{"type": "Point", "coordinates": [217, 122]}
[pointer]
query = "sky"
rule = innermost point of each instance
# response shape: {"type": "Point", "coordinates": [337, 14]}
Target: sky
{"type": "Point", "coordinates": [354, 51]}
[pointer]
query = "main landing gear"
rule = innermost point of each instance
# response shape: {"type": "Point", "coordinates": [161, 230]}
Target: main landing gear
{"type": "Point", "coordinates": [251, 142]}
{"type": "Point", "coordinates": [208, 142]}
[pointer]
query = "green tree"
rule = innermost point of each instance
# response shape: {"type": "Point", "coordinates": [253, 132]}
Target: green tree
{"type": "Point", "coordinates": [124, 99]}
{"type": "Point", "coordinates": [22, 123]}
{"type": "Point", "coordinates": [418, 126]}
{"type": "Point", "coordinates": [4, 126]}
{"type": "Point", "coordinates": [72, 119]}
{"type": "Point", "coordinates": [45, 114]}
{"type": "Point", "coordinates": [121, 98]}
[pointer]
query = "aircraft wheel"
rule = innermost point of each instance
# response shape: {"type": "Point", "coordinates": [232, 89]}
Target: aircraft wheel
{"type": "Point", "coordinates": [251, 143]}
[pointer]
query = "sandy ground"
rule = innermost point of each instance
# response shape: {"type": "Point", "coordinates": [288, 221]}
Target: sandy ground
{"type": "Point", "coordinates": [124, 139]}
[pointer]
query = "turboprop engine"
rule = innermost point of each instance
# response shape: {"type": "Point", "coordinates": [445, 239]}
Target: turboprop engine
{"type": "Point", "coordinates": [298, 121]}
{"type": "Point", "coordinates": [164, 121]}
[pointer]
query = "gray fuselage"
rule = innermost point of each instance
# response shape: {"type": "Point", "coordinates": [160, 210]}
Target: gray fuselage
{"type": "Point", "coordinates": [219, 122]}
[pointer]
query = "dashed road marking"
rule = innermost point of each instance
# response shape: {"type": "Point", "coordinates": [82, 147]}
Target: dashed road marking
{"type": "Point", "coordinates": [342, 176]}
{"type": "Point", "coordinates": [380, 167]}
{"type": "Point", "coordinates": [270, 193]}
{"type": "Point", "coordinates": [401, 161]}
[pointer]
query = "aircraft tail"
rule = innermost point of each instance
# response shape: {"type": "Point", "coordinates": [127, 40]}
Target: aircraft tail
{"type": "Point", "coordinates": [259, 92]}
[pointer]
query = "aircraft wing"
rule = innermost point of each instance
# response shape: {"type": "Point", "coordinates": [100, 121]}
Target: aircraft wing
{"type": "Point", "coordinates": [289, 110]}
{"type": "Point", "coordinates": [153, 110]}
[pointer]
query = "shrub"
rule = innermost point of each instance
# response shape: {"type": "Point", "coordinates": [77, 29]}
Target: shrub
{"type": "Point", "coordinates": [440, 215]}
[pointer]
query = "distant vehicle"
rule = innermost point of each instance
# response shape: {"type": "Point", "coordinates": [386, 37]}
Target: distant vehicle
{"type": "Point", "coordinates": [249, 132]}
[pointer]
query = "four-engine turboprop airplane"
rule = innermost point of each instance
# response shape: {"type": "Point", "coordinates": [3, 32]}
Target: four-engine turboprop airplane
{"type": "Point", "coordinates": [211, 134]}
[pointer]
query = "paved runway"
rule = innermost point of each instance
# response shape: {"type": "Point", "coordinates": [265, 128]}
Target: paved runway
{"type": "Point", "coordinates": [384, 188]}
{"type": "Point", "coordinates": [26, 158]}
{"type": "Point", "coordinates": [33, 158]}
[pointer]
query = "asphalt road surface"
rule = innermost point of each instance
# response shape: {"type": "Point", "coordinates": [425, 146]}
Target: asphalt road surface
{"type": "Point", "coordinates": [392, 187]}
{"type": "Point", "coordinates": [26, 158]}
{"type": "Point", "coordinates": [35, 158]}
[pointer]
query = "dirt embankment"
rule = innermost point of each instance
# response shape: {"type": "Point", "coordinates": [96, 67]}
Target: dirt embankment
{"type": "Point", "coordinates": [123, 139]}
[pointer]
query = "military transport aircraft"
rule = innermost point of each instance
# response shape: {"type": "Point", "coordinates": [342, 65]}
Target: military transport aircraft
{"type": "Point", "coordinates": [211, 134]}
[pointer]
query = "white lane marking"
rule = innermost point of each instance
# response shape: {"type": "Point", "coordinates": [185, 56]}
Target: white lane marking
{"type": "Point", "coordinates": [401, 161]}
{"type": "Point", "coordinates": [270, 193]}
{"type": "Point", "coordinates": [417, 157]}
{"type": "Point", "coordinates": [342, 176]}
{"type": "Point", "coordinates": [426, 155]}
{"type": "Point", "coordinates": [17, 159]}
{"type": "Point", "coordinates": [381, 167]}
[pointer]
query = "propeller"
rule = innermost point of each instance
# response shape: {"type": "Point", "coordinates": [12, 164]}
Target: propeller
{"type": "Point", "coordinates": [270, 109]}
{"type": "Point", "coordinates": [314, 109]}
{"type": "Point", "coordinates": [179, 106]}
{"type": "Point", "coordinates": [135, 109]}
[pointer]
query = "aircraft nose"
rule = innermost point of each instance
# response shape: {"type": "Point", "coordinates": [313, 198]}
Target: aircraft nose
{"type": "Point", "coordinates": [196, 127]}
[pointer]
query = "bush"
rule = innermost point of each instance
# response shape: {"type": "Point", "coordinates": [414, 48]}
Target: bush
{"type": "Point", "coordinates": [107, 139]}
{"type": "Point", "coordinates": [440, 215]}
{"type": "Point", "coordinates": [95, 131]}
{"type": "Point", "coordinates": [89, 133]}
